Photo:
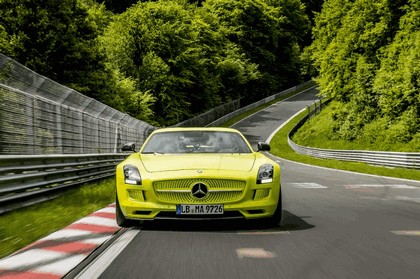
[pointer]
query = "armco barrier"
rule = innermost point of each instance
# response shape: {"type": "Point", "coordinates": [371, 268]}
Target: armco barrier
{"type": "Point", "coordinates": [382, 158]}
{"type": "Point", "coordinates": [249, 107]}
{"type": "Point", "coordinates": [66, 130]}
{"type": "Point", "coordinates": [389, 159]}
{"type": "Point", "coordinates": [41, 116]}
{"type": "Point", "coordinates": [25, 180]}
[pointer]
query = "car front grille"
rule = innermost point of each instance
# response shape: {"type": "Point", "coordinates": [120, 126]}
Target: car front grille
{"type": "Point", "coordinates": [180, 191]}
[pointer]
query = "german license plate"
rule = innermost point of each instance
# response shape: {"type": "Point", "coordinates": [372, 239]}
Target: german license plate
{"type": "Point", "coordinates": [199, 209]}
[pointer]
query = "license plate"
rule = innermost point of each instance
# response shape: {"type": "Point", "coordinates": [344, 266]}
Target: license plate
{"type": "Point", "coordinates": [199, 209]}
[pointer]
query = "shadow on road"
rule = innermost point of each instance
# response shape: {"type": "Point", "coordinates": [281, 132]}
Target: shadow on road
{"type": "Point", "coordinates": [290, 222]}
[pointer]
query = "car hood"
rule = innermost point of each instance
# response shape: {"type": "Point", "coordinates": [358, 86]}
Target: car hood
{"type": "Point", "coordinates": [171, 162]}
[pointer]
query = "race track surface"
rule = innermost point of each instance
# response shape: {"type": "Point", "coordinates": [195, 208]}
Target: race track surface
{"type": "Point", "coordinates": [335, 225]}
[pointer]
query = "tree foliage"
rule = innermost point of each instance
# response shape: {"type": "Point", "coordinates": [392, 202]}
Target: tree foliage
{"type": "Point", "coordinates": [52, 38]}
{"type": "Point", "coordinates": [161, 61]}
{"type": "Point", "coordinates": [268, 32]}
{"type": "Point", "coordinates": [178, 55]}
{"type": "Point", "coordinates": [58, 39]}
{"type": "Point", "coordinates": [367, 58]}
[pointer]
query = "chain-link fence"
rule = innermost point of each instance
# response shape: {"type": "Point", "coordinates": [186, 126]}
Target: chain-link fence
{"type": "Point", "coordinates": [223, 118]}
{"type": "Point", "coordinates": [40, 116]}
{"type": "Point", "coordinates": [211, 115]}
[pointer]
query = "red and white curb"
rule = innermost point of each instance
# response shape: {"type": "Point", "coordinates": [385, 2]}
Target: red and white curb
{"type": "Point", "coordinates": [54, 256]}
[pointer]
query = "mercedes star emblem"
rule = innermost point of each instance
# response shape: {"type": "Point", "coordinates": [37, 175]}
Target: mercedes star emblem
{"type": "Point", "coordinates": [199, 190]}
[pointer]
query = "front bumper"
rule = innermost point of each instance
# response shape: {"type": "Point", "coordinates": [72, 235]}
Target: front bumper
{"type": "Point", "coordinates": [251, 202]}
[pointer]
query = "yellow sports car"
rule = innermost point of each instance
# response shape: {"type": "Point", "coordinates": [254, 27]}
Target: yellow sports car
{"type": "Point", "coordinates": [197, 173]}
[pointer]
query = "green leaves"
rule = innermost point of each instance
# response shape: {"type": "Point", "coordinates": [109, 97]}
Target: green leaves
{"type": "Point", "coordinates": [367, 55]}
{"type": "Point", "coordinates": [180, 55]}
{"type": "Point", "coordinates": [160, 61]}
{"type": "Point", "coordinates": [268, 33]}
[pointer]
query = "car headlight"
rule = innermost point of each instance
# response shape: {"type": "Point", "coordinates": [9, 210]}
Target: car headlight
{"type": "Point", "coordinates": [265, 174]}
{"type": "Point", "coordinates": [131, 175]}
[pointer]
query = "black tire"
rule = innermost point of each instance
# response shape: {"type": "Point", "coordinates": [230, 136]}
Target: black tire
{"type": "Point", "coordinates": [120, 218]}
{"type": "Point", "coordinates": [275, 220]}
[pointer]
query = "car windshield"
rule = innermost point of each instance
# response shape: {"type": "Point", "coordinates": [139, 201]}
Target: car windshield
{"type": "Point", "coordinates": [196, 141]}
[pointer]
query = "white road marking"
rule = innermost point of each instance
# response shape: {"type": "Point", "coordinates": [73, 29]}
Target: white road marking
{"type": "Point", "coordinates": [408, 232]}
{"type": "Point", "coordinates": [107, 210]}
{"type": "Point", "coordinates": [96, 240]}
{"type": "Point", "coordinates": [258, 253]}
{"type": "Point", "coordinates": [271, 136]}
{"type": "Point", "coordinates": [344, 171]}
{"type": "Point", "coordinates": [33, 257]}
{"type": "Point", "coordinates": [375, 198]}
{"type": "Point", "coordinates": [308, 185]}
{"type": "Point", "coordinates": [61, 266]}
{"type": "Point", "coordinates": [394, 186]}
{"type": "Point", "coordinates": [73, 235]}
{"type": "Point", "coordinates": [67, 233]}
{"type": "Point", "coordinates": [404, 198]}
{"type": "Point", "coordinates": [36, 260]}
{"type": "Point", "coordinates": [99, 221]}
{"type": "Point", "coordinates": [98, 266]}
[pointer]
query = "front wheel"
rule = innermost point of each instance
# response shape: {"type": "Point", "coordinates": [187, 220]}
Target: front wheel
{"type": "Point", "coordinates": [274, 220]}
{"type": "Point", "coordinates": [120, 218]}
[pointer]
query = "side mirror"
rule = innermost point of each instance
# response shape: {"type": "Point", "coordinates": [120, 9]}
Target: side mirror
{"type": "Point", "coordinates": [263, 146]}
{"type": "Point", "coordinates": [130, 147]}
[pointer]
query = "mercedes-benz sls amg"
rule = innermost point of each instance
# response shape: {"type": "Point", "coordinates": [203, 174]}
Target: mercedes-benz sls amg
{"type": "Point", "coordinates": [197, 173]}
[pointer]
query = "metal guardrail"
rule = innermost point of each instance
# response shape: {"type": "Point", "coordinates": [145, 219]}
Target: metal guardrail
{"type": "Point", "coordinates": [211, 115]}
{"type": "Point", "coordinates": [225, 112]}
{"type": "Point", "coordinates": [30, 179]}
{"type": "Point", "coordinates": [41, 116]}
{"type": "Point", "coordinates": [381, 158]}
{"type": "Point", "coordinates": [26, 180]}
{"type": "Point", "coordinates": [249, 107]}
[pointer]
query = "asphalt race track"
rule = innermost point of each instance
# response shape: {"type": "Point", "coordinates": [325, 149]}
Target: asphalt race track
{"type": "Point", "coordinates": [335, 225]}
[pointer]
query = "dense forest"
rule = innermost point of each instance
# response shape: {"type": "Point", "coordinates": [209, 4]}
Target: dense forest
{"type": "Point", "coordinates": [365, 56]}
{"type": "Point", "coordinates": [160, 61]}
{"type": "Point", "coordinates": [167, 60]}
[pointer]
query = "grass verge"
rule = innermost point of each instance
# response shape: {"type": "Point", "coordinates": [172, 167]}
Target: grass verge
{"type": "Point", "coordinates": [280, 148]}
{"type": "Point", "coordinates": [321, 132]}
{"type": "Point", "coordinates": [22, 227]}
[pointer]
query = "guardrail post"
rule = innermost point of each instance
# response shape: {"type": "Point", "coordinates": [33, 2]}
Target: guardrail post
{"type": "Point", "coordinates": [59, 128]}
{"type": "Point", "coordinates": [32, 127]}
{"type": "Point", "coordinates": [117, 138]}
{"type": "Point", "coordinates": [82, 138]}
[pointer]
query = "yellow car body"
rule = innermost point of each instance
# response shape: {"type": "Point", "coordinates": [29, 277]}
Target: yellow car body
{"type": "Point", "coordinates": [201, 181]}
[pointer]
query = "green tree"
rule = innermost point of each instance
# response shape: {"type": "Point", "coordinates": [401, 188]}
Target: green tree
{"type": "Point", "coordinates": [98, 16]}
{"type": "Point", "coordinates": [58, 39]}
{"type": "Point", "coordinates": [268, 32]}
{"type": "Point", "coordinates": [312, 7]}
{"type": "Point", "coordinates": [49, 36]}
{"type": "Point", "coordinates": [145, 42]}
{"type": "Point", "coordinates": [52, 38]}
{"type": "Point", "coordinates": [359, 68]}
{"type": "Point", "coordinates": [397, 82]}
{"type": "Point", "coordinates": [176, 54]}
